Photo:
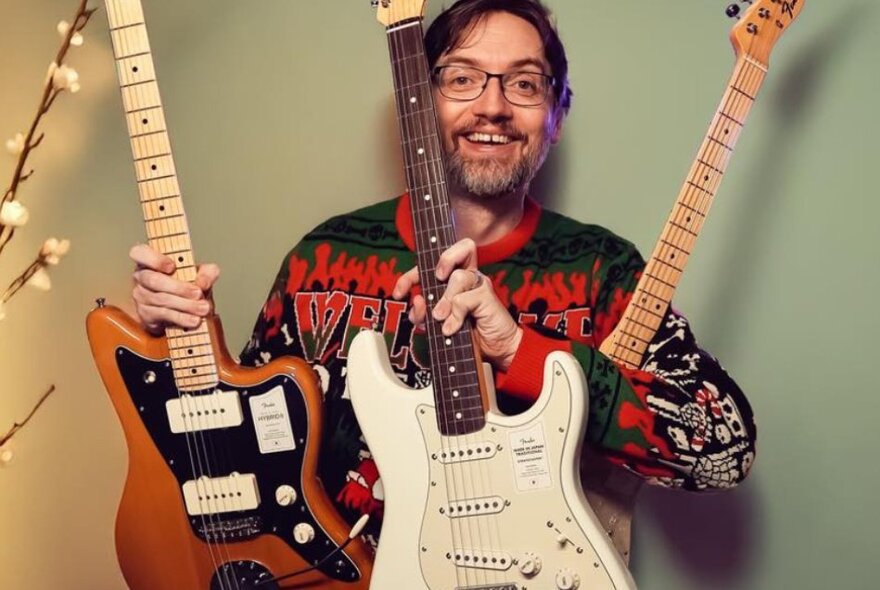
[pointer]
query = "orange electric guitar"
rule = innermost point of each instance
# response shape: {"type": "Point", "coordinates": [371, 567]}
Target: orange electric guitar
{"type": "Point", "coordinates": [221, 492]}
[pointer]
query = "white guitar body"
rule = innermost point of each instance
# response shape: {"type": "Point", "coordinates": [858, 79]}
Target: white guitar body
{"type": "Point", "coordinates": [502, 509]}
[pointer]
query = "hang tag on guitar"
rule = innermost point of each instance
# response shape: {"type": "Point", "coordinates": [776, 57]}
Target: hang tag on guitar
{"type": "Point", "coordinates": [272, 421]}
{"type": "Point", "coordinates": [531, 468]}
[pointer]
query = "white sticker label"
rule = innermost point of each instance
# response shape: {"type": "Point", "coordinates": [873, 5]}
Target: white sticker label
{"type": "Point", "coordinates": [530, 464]}
{"type": "Point", "coordinates": [272, 421]}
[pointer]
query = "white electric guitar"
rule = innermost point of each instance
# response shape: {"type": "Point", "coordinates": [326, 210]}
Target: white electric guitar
{"type": "Point", "coordinates": [474, 499]}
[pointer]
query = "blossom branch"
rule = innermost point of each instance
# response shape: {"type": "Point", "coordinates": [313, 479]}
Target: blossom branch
{"type": "Point", "coordinates": [60, 78]}
{"type": "Point", "coordinates": [19, 425]}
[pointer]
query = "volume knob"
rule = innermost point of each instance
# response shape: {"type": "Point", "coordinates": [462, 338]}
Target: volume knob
{"type": "Point", "coordinates": [530, 565]}
{"type": "Point", "coordinates": [567, 580]}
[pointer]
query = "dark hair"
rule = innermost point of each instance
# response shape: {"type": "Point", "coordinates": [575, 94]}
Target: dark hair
{"type": "Point", "coordinates": [452, 27]}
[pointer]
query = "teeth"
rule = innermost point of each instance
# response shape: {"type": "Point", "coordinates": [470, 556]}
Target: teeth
{"type": "Point", "coordinates": [486, 138]}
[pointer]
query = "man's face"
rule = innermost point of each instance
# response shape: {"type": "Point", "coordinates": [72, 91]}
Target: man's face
{"type": "Point", "coordinates": [494, 147]}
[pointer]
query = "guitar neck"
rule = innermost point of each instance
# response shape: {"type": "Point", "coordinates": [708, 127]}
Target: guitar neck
{"type": "Point", "coordinates": [164, 218]}
{"type": "Point", "coordinates": [654, 291]}
{"type": "Point", "coordinates": [454, 362]}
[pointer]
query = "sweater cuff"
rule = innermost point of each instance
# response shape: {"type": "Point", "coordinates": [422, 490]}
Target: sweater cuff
{"type": "Point", "coordinates": [525, 375]}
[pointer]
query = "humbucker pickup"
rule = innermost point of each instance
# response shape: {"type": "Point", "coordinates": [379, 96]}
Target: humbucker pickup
{"type": "Point", "coordinates": [195, 413]}
{"type": "Point", "coordinates": [218, 495]}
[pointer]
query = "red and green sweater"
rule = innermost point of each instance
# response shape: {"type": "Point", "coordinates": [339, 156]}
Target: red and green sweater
{"type": "Point", "coordinates": [681, 421]}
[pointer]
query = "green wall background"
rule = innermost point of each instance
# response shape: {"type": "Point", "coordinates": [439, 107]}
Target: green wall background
{"type": "Point", "coordinates": [281, 115]}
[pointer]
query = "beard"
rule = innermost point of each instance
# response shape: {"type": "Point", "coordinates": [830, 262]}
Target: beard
{"type": "Point", "coordinates": [491, 177]}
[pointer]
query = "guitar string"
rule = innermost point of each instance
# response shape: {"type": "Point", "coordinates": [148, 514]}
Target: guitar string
{"type": "Point", "coordinates": [129, 15]}
{"type": "Point", "coordinates": [691, 196]}
{"type": "Point", "coordinates": [398, 41]}
{"type": "Point", "coordinates": [462, 444]}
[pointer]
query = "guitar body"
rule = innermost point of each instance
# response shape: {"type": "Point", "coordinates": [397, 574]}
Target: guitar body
{"type": "Point", "coordinates": [161, 545]}
{"type": "Point", "coordinates": [508, 493]}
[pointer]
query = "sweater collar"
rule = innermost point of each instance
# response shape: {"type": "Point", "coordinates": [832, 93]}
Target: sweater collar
{"type": "Point", "coordinates": [487, 253]}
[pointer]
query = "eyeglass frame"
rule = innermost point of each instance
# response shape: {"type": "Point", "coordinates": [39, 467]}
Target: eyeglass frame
{"type": "Point", "coordinates": [435, 73]}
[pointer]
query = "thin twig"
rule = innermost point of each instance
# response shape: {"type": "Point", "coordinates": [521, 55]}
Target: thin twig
{"type": "Point", "coordinates": [82, 17]}
{"type": "Point", "coordinates": [18, 426]}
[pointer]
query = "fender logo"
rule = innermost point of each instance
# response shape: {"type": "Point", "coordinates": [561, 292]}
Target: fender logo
{"type": "Point", "coordinates": [788, 7]}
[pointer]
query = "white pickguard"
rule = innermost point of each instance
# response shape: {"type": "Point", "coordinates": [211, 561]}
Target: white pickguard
{"type": "Point", "coordinates": [500, 504]}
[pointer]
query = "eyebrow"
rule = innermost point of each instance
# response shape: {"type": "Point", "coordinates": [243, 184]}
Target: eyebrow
{"type": "Point", "coordinates": [520, 63]}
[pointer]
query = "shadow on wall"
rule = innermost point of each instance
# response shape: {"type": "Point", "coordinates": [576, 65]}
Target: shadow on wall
{"type": "Point", "coordinates": [790, 107]}
{"type": "Point", "coordinates": [716, 537]}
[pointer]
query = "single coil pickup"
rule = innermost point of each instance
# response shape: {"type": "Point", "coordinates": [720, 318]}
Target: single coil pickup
{"type": "Point", "coordinates": [217, 495]}
{"type": "Point", "coordinates": [195, 413]}
{"type": "Point", "coordinates": [492, 587]}
{"type": "Point", "coordinates": [476, 507]}
{"type": "Point", "coordinates": [471, 452]}
{"type": "Point", "coordinates": [484, 560]}
{"type": "Point", "coordinates": [236, 529]}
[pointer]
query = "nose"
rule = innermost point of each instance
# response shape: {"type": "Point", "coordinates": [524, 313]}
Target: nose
{"type": "Point", "coordinates": [492, 105]}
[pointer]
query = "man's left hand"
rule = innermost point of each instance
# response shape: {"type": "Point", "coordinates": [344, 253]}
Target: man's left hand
{"type": "Point", "coordinates": [468, 294]}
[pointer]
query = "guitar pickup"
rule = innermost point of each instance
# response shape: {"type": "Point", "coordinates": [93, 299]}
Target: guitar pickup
{"type": "Point", "coordinates": [476, 507]}
{"type": "Point", "coordinates": [462, 453]}
{"type": "Point", "coordinates": [217, 495]}
{"type": "Point", "coordinates": [196, 413]}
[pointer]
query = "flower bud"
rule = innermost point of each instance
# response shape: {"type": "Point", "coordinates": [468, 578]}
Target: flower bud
{"type": "Point", "coordinates": [15, 145]}
{"type": "Point", "coordinates": [65, 78]}
{"type": "Point", "coordinates": [13, 214]}
{"type": "Point", "coordinates": [40, 280]}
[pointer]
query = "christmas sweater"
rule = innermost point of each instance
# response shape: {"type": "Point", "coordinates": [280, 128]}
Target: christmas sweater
{"type": "Point", "coordinates": [679, 421]}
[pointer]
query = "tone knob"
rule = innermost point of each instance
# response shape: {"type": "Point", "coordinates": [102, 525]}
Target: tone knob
{"type": "Point", "coordinates": [285, 495]}
{"type": "Point", "coordinates": [530, 565]}
{"type": "Point", "coordinates": [303, 533]}
{"type": "Point", "coordinates": [567, 580]}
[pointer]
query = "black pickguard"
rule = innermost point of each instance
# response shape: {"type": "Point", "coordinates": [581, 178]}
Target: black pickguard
{"type": "Point", "coordinates": [218, 453]}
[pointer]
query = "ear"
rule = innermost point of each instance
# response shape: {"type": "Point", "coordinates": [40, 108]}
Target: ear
{"type": "Point", "coordinates": [556, 125]}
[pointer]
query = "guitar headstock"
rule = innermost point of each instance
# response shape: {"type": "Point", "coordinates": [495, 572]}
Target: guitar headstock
{"type": "Point", "coordinates": [391, 12]}
{"type": "Point", "coordinates": [761, 26]}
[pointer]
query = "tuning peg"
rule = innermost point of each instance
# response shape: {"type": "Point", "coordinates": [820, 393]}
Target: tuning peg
{"type": "Point", "coordinates": [746, 1]}
{"type": "Point", "coordinates": [733, 11]}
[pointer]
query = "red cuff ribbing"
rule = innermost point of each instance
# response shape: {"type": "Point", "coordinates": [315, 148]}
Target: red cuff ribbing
{"type": "Point", "coordinates": [525, 375]}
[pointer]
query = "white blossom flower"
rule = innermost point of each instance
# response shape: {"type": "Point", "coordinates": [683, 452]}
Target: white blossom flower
{"type": "Point", "coordinates": [40, 280]}
{"type": "Point", "coordinates": [6, 456]}
{"type": "Point", "coordinates": [53, 249]}
{"type": "Point", "coordinates": [13, 214]}
{"type": "Point", "coordinates": [65, 78]}
{"type": "Point", "coordinates": [76, 39]}
{"type": "Point", "coordinates": [49, 74]}
{"type": "Point", "coordinates": [15, 145]}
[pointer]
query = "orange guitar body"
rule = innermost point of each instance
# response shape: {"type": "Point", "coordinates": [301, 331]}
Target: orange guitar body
{"type": "Point", "coordinates": [156, 539]}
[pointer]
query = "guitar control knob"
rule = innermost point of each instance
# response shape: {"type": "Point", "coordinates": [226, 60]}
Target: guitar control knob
{"type": "Point", "coordinates": [303, 533]}
{"type": "Point", "coordinates": [285, 495]}
{"type": "Point", "coordinates": [567, 580]}
{"type": "Point", "coordinates": [530, 565]}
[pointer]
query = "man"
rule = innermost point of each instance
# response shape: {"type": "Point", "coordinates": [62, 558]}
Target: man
{"type": "Point", "coordinates": [545, 282]}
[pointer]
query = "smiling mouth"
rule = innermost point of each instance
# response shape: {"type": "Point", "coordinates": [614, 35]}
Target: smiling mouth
{"type": "Point", "coordinates": [489, 139]}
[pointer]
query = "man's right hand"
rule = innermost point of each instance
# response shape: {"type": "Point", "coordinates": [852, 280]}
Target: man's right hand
{"type": "Point", "coordinates": [161, 300]}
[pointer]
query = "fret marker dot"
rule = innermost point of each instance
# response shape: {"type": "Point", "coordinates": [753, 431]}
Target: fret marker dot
{"type": "Point", "coordinates": [430, 297]}
{"type": "Point", "coordinates": [452, 369]}
{"type": "Point", "coordinates": [180, 259]}
{"type": "Point", "coordinates": [154, 167]}
{"type": "Point", "coordinates": [421, 151]}
{"type": "Point", "coordinates": [458, 415]}
{"type": "Point", "coordinates": [145, 121]}
{"type": "Point", "coordinates": [448, 341]}
{"type": "Point", "coordinates": [455, 393]}
{"type": "Point", "coordinates": [134, 69]}
{"type": "Point", "coordinates": [412, 99]}
{"type": "Point", "coordinates": [706, 177]}
{"type": "Point", "coordinates": [427, 197]}
{"type": "Point", "coordinates": [433, 239]}
{"type": "Point", "coordinates": [161, 207]}
{"type": "Point", "coordinates": [190, 351]}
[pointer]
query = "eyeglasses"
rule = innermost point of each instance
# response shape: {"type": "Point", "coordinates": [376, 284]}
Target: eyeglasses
{"type": "Point", "coordinates": [525, 89]}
